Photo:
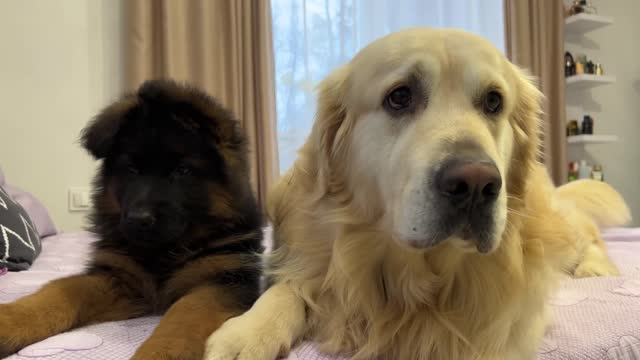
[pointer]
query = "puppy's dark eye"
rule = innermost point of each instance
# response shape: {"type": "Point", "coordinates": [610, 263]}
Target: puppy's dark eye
{"type": "Point", "coordinates": [399, 98]}
{"type": "Point", "coordinates": [492, 102]}
{"type": "Point", "coordinates": [182, 170]}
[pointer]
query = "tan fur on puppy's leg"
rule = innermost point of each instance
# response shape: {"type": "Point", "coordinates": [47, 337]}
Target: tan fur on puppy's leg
{"type": "Point", "coordinates": [264, 332]}
{"type": "Point", "coordinates": [183, 330]}
{"type": "Point", "coordinates": [59, 306]}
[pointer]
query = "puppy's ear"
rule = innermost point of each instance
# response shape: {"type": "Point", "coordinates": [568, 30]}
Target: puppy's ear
{"type": "Point", "coordinates": [331, 130]}
{"type": "Point", "coordinates": [99, 135]}
{"type": "Point", "coordinates": [526, 125]}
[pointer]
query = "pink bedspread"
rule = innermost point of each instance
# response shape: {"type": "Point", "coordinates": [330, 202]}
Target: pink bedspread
{"type": "Point", "coordinates": [596, 318]}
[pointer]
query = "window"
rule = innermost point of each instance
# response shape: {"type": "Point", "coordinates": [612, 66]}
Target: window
{"type": "Point", "coordinates": [312, 37]}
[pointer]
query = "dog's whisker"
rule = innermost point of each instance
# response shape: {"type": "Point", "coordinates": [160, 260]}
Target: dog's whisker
{"type": "Point", "coordinates": [514, 198]}
{"type": "Point", "coordinates": [520, 213]}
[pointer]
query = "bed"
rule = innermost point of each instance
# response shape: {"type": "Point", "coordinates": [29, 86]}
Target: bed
{"type": "Point", "coordinates": [597, 318]}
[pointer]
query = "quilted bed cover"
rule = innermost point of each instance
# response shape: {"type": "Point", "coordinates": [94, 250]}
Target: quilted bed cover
{"type": "Point", "coordinates": [597, 318]}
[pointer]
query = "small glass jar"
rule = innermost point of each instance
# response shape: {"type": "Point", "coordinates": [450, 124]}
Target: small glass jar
{"type": "Point", "coordinates": [587, 125]}
{"type": "Point", "coordinates": [599, 70]}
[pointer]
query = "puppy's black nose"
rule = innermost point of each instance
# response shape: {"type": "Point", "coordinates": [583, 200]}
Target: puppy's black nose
{"type": "Point", "coordinates": [140, 219]}
{"type": "Point", "coordinates": [467, 182]}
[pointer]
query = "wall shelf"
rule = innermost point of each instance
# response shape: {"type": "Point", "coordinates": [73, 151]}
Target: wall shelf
{"type": "Point", "coordinates": [591, 139]}
{"type": "Point", "coordinates": [587, 81]}
{"type": "Point", "coordinates": [582, 23]}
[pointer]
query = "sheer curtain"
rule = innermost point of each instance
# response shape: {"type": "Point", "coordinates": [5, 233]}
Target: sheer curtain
{"type": "Point", "coordinates": [312, 37]}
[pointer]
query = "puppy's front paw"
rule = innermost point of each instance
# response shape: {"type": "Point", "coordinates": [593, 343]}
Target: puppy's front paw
{"type": "Point", "coordinates": [168, 349]}
{"type": "Point", "coordinates": [13, 333]}
{"type": "Point", "coordinates": [248, 338]}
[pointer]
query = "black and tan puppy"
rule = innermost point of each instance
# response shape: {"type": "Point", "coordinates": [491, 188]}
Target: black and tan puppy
{"type": "Point", "coordinates": [178, 228]}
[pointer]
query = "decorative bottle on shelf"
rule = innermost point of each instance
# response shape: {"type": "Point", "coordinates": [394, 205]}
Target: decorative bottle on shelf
{"type": "Point", "coordinates": [572, 128]}
{"type": "Point", "coordinates": [569, 65]}
{"type": "Point", "coordinates": [587, 125]}
{"type": "Point", "coordinates": [588, 8]}
{"type": "Point", "coordinates": [578, 7]}
{"type": "Point", "coordinates": [599, 70]}
{"type": "Point", "coordinates": [596, 173]}
{"type": "Point", "coordinates": [590, 67]}
{"type": "Point", "coordinates": [573, 171]}
{"type": "Point", "coordinates": [579, 60]}
{"type": "Point", "coordinates": [585, 170]}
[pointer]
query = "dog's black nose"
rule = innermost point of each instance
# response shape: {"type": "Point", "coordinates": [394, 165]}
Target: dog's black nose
{"type": "Point", "coordinates": [140, 219]}
{"type": "Point", "coordinates": [468, 182]}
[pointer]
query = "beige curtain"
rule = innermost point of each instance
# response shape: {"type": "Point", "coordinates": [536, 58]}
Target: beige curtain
{"type": "Point", "coordinates": [535, 40]}
{"type": "Point", "coordinates": [224, 47]}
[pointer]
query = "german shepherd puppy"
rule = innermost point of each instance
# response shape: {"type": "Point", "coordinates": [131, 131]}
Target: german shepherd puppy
{"type": "Point", "coordinates": [178, 228]}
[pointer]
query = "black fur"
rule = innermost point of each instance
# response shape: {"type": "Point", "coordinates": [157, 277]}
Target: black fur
{"type": "Point", "coordinates": [161, 152]}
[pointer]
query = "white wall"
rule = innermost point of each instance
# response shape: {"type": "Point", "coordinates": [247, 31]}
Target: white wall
{"type": "Point", "coordinates": [616, 107]}
{"type": "Point", "coordinates": [60, 63]}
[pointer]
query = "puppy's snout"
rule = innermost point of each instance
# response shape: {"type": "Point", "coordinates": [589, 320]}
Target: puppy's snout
{"type": "Point", "coordinates": [140, 219]}
{"type": "Point", "coordinates": [466, 182]}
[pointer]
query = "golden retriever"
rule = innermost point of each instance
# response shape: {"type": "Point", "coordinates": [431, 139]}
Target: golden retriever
{"type": "Point", "coordinates": [417, 222]}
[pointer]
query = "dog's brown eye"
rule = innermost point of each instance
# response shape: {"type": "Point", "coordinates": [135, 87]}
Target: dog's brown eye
{"type": "Point", "coordinates": [492, 102]}
{"type": "Point", "coordinates": [399, 99]}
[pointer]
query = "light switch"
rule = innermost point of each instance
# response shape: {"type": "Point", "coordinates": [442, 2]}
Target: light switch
{"type": "Point", "coordinates": [79, 199]}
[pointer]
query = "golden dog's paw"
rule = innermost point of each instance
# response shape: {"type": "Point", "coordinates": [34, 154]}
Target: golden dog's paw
{"type": "Point", "coordinates": [241, 339]}
{"type": "Point", "coordinates": [595, 268]}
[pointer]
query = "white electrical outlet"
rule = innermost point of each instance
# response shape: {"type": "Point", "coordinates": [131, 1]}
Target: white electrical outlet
{"type": "Point", "coordinates": [79, 199]}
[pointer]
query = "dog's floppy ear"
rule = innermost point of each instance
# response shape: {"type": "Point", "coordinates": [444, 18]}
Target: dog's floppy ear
{"type": "Point", "coordinates": [526, 125]}
{"type": "Point", "coordinates": [99, 135]}
{"type": "Point", "coordinates": [330, 131]}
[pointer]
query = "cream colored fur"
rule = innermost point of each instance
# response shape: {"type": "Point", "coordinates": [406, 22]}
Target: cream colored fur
{"type": "Point", "coordinates": [344, 275]}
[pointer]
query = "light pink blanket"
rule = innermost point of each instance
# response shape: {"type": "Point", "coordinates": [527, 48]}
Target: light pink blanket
{"type": "Point", "coordinates": [596, 318]}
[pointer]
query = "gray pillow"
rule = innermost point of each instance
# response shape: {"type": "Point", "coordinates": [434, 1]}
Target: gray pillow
{"type": "Point", "coordinates": [19, 239]}
{"type": "Point", "coordinates": [36, 210]}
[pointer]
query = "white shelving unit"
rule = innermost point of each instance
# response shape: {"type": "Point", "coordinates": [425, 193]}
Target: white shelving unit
{"type": "Point", "coordinates": [582, 23]}
{"type": "Point", "coordinates": [591, 139]}
{"type": "Point", "coordinates": [578, 86]}
{"type": "Point", "coordinates": [587, 81]}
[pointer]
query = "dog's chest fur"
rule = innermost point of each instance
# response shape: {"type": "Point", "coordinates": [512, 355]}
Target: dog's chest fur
{"type": "Point", "coordinates": [377, 299]}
